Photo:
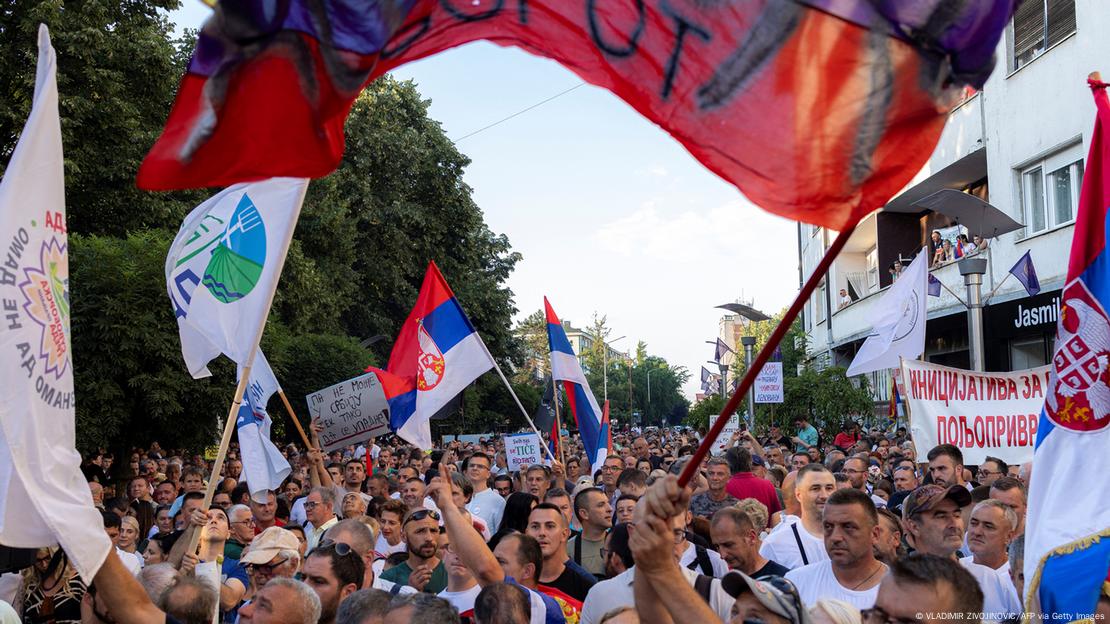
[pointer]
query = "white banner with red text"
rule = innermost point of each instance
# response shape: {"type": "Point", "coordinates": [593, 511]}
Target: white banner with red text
{"type": "Point", "coordinates": [984, 414]}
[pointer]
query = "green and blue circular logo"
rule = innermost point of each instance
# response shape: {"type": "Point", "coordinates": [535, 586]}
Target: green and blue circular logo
{"type": "Point", "coordinates": [237, 261]}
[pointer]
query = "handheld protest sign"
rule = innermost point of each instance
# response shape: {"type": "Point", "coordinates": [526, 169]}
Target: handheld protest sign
{"type": "Point", "coordinates": [523, 450]}
{"type": "Point", "coordinates": [764, 355]}
{"type": "Point", "coordinates": [351, 411]}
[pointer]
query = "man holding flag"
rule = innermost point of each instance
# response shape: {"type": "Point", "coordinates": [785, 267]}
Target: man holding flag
{"type": "Point", "coordinates": [1067, 538]}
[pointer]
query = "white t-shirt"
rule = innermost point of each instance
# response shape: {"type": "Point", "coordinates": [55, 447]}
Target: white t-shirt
{"type": "Point", "coordinates": [384, 549]}
{"type": "Point", "coordinates": [1000, 597]}
{"type": "Point", "coordinates": [489, 506]}
{"type": "Point", "coordinates": [782, 546]}
{"type": "Point", "coordinates": [462, 600]}
{"type": "Point", "coordinates": [720, 568]}
{"type": "Point", "coordinates": [617, 592]}
{"type": "Point", "coordinates": [817, 582]}
{"type": "Point", "coordinates": [296, 512]}
{"type": "Point", "coordinates": [132, 561]}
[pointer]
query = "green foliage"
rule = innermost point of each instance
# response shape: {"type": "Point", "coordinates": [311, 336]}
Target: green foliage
{"type": "Point", "coordinates": [703, 410]}
{"type": "Point", "coordinates": [118, 70]}
{"type": "Point", "coordinates": [826, 398]}
{"type": "Point", "coordinates": [130, 381]}
{"type": "Point", "coordinates": [531, 332]}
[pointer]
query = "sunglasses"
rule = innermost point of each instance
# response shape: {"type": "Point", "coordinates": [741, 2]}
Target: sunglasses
{"type": "Point", "coordinates": [342, 549]}
{"type": "Point", "coordinates": [268, 568]}
{"type": "Point", "coordinates": [421, 514]}
{"type": "Point", "coordinates": [788, 589]}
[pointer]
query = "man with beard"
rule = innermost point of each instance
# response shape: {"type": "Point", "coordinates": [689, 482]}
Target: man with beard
{"type": "Point", "coordinates": [946, 466]}
{"type": "Point", "coordinates": [933, 519]}
{"type": "Point", "coordinates": [737, 538]}
{"type": "Point", "coordinates": [802, 543]}
{"type": "Point", "coordinates": [423, 571]}
{"type": "Point", "coordinates": [888, 548]}
{"type": "Point", "coordinates": [851, 573]}
{"type": "Point", "coordinates": [333, 576]}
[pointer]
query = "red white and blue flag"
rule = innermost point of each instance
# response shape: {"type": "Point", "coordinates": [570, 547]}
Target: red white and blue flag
{"type": "Point", "coordinates": [1067, 540]}
{"type": "Point", "coordinates": [437, 354]}
{"type": "Point", "coordinates": [580, 399]}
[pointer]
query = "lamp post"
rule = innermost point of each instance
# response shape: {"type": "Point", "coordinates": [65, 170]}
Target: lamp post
{"type": "Point", "coordinates": [648, 408]}
{"type": "Point", "coordinates": [749, 344]}
{"type": "Point", "coordinates": [605, 366]}
{"type": "Point", "coordinates": [973, 269]}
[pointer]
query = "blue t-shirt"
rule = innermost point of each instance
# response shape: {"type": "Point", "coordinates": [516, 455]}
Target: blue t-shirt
{"type": "Point", "coordinates": [809, 436]}
{"type": "Point", "coordinates": [232, 569]}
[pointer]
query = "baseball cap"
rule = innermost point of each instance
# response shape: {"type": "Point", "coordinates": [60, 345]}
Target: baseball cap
{"type": "Point", "coordinates": [773, 592]}
{"type": "Point", "coordinates": [758, 461]}
{"type": "Point", "coordinates": [267, 544]}
{"type": "Point", "coordinates": [926, 497]}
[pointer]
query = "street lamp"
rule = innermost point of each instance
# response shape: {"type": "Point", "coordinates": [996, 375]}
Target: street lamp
{"type": "Point", "coordinates": [605, 367]}
{"type": "Point", "coordinates": [749, 344]}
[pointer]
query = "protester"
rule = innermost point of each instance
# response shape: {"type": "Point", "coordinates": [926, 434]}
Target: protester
{"type": "Point", "coordinates": [424, 569]}
{"type": "Point", "coordinates": [484, 503]}
{"type": "Point", "coordinates": [319, 507]}
{"type": "Point", "coordinates": [718, 472]}
{"type": "Point", "coordinates": [547, 526]}
{"type": "Point", "coordinates": [922, 587]}
{"type": "Point", "coordinates": [990, 530]}
{"type": "Point", "coordinates": [933, 520]}
{"type": "Point", "coordinates": [595, 516]}
{"type": "Point", "coordinates": [802, 542]}
{"type": "Point", "coordinates": [334, 571]}
{"type": "Point", "coordinates": [851, 573]}
{"type": "Point", "coordinates": [736, 535]}
{"type": "Point", "coordinates": [1011, 493]}
{"type": "Point", "coordinates": [946, 466]}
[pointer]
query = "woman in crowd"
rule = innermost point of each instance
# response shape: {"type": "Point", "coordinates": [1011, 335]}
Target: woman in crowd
{"type": "Point", "coordinates": [52, 590]}
{"type": "Point", "coordinates": [517, 508]}
{"type": "Point", "coordinates": [158, 548]}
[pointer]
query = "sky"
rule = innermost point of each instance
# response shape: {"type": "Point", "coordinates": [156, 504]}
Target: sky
{"type": "Point", "coordinates": [610, 213]}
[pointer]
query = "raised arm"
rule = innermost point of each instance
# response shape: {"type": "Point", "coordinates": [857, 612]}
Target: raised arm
{"type": "Point", "coordinates": [464, 539]}
{"type": "Point", "coordinates": [121, 593]}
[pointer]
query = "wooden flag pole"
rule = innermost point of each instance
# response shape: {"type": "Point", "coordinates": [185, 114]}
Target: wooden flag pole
{"type": "Point", "coordinates": [558, 426]}
{"type": "Point", "coordinates": [765, 353]}
{"type": "Point", "coordinates": [293, 417]}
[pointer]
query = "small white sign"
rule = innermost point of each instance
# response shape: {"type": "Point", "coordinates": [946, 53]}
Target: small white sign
{"type": "Point", "coordinates": [523, 450]}
{"type": "Point", "coordinates": [351, 412]}
{"type": "Point", "coordinates": [721, 443]}
{"type": "Point", "coordinates": [768, 384]}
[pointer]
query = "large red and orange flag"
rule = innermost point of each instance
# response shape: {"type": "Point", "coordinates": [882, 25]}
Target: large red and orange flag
{"type": "Point", "coordinates": [817, 110]}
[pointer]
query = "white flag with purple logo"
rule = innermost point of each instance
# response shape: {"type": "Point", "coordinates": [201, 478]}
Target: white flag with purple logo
{"type": "Point", "coordinates": [264, 467]}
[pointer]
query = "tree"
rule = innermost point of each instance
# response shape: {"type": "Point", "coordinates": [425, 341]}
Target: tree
{"type": "Point", "coordinates": [118, 69]}
{"type": "Point", "coordinates": [703, 411]}
{"type": "Point", "coordinates": [531, 331]}
{"type": "Point", "coordinates": [826, 398]}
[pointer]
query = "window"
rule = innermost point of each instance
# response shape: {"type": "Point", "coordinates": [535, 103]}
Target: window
{"type": "Point", "coordinates": [819, 303]}
{"type": "Point", "coordinates": [1027, 353]}
{"type": "Point", "coordinates": [1037, 26]}
{"type": "Point", "coordinates": [1050, 190]}
{"type": "Point", "coordinates": [872, 270]}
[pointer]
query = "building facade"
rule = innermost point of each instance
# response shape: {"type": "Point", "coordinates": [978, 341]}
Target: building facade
{"type": "Point", "coordinates": [1019, 144]}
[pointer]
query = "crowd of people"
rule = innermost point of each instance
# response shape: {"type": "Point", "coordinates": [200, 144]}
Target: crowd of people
{"type": "Point", "coordinates": [787, 526]}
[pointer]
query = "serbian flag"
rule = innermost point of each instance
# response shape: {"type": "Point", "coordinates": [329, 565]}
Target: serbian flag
{"type": "Point", "coordinates": [580, 399]}
{"type": "Point", "coordinates": [439, 351]}
{"type": "Point", "coordinates": [606, 429]}
{"type": "Point", "coordinates": [818, 110]}
{"type": "Point", "coordinates": [1067, 539]}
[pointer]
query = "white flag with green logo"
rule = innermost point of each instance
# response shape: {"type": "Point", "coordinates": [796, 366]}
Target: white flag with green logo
{"type": "Point", "coordinates": [44, 499]}
{"type": "Point", "coordinates": [224, 264]}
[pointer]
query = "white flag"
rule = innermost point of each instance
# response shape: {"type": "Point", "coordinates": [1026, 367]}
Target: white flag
{"type": "Point", "coordinates": [44, 499]}
{"type": "Point", "coordinates": [264, 467]}
{"type": "Point", "coordinates": [223, 267]}
{"type": "Point", "coordinates": [898, 322]}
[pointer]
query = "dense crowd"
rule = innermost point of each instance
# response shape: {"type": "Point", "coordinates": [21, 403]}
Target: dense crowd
{"type": "Point", "coordinates": [781, 527]}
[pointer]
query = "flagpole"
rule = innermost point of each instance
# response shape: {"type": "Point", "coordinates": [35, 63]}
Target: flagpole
{"type": "Point", "coordinates": [293, 417]}
{"type": "Point", "coordinates": [558, 427]}
{"type": "Point", "coordinates": [509, 386]}
{"type": "Point", "coordinates": [942, 285]}
{"type": "Point", "coordinates": [244, 376]}
{"type": "Point", "coordinates": [764, 355]}
{"type": "Point", "coordinates": [995, 289]}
